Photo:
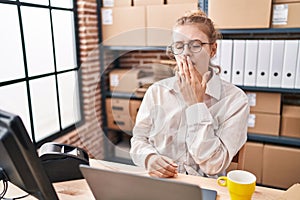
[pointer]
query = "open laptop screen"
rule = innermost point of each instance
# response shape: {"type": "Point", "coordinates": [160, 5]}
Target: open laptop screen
{"type": "Point", "coordinates": [108, 184]}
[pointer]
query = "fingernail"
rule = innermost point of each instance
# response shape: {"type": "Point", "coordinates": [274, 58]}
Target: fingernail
{"type": "Point", "coordinates": [174, 164]}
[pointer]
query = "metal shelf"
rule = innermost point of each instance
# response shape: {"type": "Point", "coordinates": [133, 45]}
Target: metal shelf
{"type": "Point", "coordinates": [286, 141]}
{"type": "Point", "coordinates": [122, 95]}
{"type": "Point", "coordinates": [260, 31]}
{"type": "Point", "coordinates": [269, 89]}
{"type": "Point", "coordinates": [270, 33]}
{"type": "Point", "coordinates": [135, 48]}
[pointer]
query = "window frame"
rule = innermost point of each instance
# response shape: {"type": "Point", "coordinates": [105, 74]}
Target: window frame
{"type": "Point", "coordinates": [56, 73]}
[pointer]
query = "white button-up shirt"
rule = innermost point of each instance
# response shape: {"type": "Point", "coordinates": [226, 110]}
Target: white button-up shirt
{"type": "Point", "coordinates": [202, 138]}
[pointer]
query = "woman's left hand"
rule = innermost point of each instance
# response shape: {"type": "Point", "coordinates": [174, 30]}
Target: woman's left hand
{"type": "Point", "coordinates": [191, 82]}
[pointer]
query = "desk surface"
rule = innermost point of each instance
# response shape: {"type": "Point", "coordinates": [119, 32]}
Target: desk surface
{"type": "Point", "coordinates": [78, 189]}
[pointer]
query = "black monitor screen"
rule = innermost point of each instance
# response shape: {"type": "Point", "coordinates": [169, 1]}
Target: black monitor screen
{"type": "Point", "coordinates": [19, 160]}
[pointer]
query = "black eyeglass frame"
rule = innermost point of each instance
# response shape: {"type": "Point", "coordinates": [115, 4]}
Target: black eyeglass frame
{"type": "Point", "coordinates": [189, 46]}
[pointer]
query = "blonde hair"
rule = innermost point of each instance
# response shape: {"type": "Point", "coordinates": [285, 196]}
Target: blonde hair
{"type": "Point", "coordinates": [198, 17]}
{"type": "Point", "coordinates": [205, 24]}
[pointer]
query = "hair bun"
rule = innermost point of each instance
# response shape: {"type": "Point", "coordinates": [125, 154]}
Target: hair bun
{"type": "Point", "coordinates": [195, 13]}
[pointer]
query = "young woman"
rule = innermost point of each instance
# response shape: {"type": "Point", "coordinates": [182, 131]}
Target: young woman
{"type": "Point", "coordinates": [194, 122]}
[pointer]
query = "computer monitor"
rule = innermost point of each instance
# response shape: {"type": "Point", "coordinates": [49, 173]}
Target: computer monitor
{"type": "Point", "coordinates": [19, 161]}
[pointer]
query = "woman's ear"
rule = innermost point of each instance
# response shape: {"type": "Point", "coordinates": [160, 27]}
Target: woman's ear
{"type": "Point", "coordinates": [213, 49]}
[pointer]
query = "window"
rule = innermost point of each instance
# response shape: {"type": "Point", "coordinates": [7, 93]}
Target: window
{"type": "Point", "coordinates": [39, 66]}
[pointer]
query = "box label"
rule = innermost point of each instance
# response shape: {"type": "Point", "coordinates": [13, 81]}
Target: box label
{"type": "Point", "coordinates": [108, 3]}
{"type": "Point", "coordinates": [107, 16]}
{"type": "Point", "coordinates": [280, 14]}
{"type": "Point", "coordinates": [251, 99]}
{"type": "Point", "coordinates": [251, 120]}
{"type": "Point", "coordinates": [114, 80]}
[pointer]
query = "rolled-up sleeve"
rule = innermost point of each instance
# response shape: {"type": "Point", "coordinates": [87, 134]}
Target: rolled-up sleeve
{"type": "Point", "coordinates": [140, 145]}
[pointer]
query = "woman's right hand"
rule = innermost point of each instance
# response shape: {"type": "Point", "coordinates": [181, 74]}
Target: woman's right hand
{"type": "Point", "coordinates": [161, 166]}
{"type": "Point", "coordinates": [191, 82]}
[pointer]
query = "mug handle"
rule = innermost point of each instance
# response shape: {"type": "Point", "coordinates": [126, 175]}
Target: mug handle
{"type": "Point", "coordinates": [222, 181]}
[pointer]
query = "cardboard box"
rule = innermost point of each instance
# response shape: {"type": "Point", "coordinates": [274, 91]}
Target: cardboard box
{"type": "Point", "coordinates": [253, 159]}
{"type": "Point", "coordinates": [117, 106]}
{"type": "Point", "coordinates": [240, 14]}
{"type": "Point", "coordinates": [147, 2]}
{"type": "Point", "coordinates": [160, 22]}
{"type": "Point", "coordinates": [265, 124]}
{"type": "Point", "coordinates": [116, 3]}
{"type": "Point", "coordinates": [124, 26]}
{"type": "Point", "coordinates": [281, 166]}
{"type": "Point", "coordinates": [134, 107]}
{"type": "Point", "coordinates": [290, 123]}
{"type": "Point", "coordinates": [119, 122]}
{"type": "Point", "coordinates": [264, 102]}
{"type": "Point", "coordinates": [285, 1]}
{"type": "Point", "coordinates": [125, 80]}
{"type": "Point", "coordinates": [181, 1]}
{"type": "Point", "coordinates": [286, 15]}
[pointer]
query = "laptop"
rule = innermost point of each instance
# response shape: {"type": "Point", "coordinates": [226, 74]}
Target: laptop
{"type": "Point", "coordinates": [115, 185]}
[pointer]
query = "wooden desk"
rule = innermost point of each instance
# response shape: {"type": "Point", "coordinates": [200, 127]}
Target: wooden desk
{"type": "Point", "coordinates": [78, 189]}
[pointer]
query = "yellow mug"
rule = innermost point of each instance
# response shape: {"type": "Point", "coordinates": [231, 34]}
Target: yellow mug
{"type": "Point", "coordinates": [240, 184]}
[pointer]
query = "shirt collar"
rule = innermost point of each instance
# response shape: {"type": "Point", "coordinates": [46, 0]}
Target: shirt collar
{"type": "Point", "coordinates": [213, 87]}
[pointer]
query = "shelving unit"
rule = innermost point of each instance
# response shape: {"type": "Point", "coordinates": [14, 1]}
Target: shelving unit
{"type": "Point", "coordinates": [278, 140]}
{"type": "Point", "coordinates": [133, 48]}
{"type": "Point", "coordinates": [270, 89]}
{"type": "Point", "coordinates": [122, 95]}
{"type": "Point", "coordinates": [271, 33]}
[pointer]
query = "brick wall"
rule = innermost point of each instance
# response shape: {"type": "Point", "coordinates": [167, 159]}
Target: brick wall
{"type": "Point", "coordinates": [89, 135]}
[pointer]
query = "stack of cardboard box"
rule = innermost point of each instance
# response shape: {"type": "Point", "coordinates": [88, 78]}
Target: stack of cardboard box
{"type": "Point", "coordinates": [272, 165]}
{"type": "Point", "coordinates": [149, 22]}
{"type": "Point", "coordinates": [280, 166]}
{"type": "Point", "coordinates": [264, 116]}
{"type": "Point", "coordinates": [121, 113]}
{"type": "Point", "coordinates": [146, 23]}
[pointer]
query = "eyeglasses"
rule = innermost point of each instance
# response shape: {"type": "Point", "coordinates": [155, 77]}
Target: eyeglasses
{"type": "Point", "coordinates": [194, 46]}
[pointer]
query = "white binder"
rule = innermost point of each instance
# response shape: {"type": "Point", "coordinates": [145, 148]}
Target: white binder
{"type": "Point", "coordinates": [289, 63]}
{"type": "Point", "coordinates": [216, 60]}
{"type": "Point", "coordinates": [250, 62]}
{"type": "Point", "coordinates": [276, 63]}
{"type": "Point", "coordinates": [238, 61]}
{"type": "Point", "coordinates": [297, 82]}
{"type": "Point", "coordinates": [263, 63]}
{"type": "Point", "coordinates": [226, 59]}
